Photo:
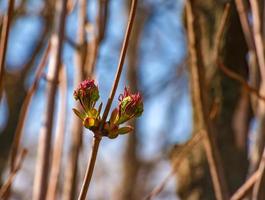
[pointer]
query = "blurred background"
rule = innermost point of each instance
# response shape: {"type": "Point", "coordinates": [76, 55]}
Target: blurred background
{"type": "Point", "coordinates": [87, 44]}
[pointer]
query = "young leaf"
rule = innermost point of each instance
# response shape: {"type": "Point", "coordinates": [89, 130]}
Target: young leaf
{"type": "Point", "coordinates": [81, 115]}
{"type": "Point", "coordinates": [125, 130]}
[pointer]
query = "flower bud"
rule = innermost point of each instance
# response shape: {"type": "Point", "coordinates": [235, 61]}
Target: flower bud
{"type": "Point", "coordinates": [130, 106]}
{"type": "Point", "coordinates": [87, 93]}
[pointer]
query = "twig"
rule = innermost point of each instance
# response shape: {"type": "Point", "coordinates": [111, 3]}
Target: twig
{"type": "Point", "coordinates": [6, 187]}
{"type": "Point", "coordinates": [200, 97]}
{"type": "Point", "coordinates": [97, 136]}
{"type": "Point", "coordinates": [59, 138]}
{"type": "Point", "coordinates": [240, 79]}
{"type": "Point", "coordinates": [243, 16]}
{"type": "Point", "coordinates": [258, 191]}
{"type": "Point", "coordinates": [121, 61]}
{"type": "Point", "coordinates": [42, 166]}
{"type": "Point", "coordinates": [176, 163]}
{"type": "Point", "coordinates": [25, 106]}
{"type": "Point", "coordinates": [258, 38]}
{"type": "Point", "coordinates": [90, 169]}
{"type": "Point", "coordinates": [4, 40]}
{"type": "Point", "coordinates": [220, 32]}
{"type": "Point", "coordinates": [71, 170]}
{"type": "Point", "coordinates": [244, 189]}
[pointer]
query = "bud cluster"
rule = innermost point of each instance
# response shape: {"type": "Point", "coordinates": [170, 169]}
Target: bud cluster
{"type": "Point", "coordinates": [130, 106]}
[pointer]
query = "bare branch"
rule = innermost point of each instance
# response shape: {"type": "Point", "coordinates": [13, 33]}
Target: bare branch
{"type": "Point", "coordinates": [4, 40]}
{"type": "Point", "coordinates": [42, 167]}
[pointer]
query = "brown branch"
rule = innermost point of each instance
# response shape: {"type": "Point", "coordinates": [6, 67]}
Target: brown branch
{"type": "Point", "coordinates": [201, 109]}
{"type": "Point", "coordinates": [121, 60]}
{"type": "Point", "coordinates": [71, 170]}
{"type": "Point", "coordinates": [90, 169]}
{"type": "Point", "coordinates": [25, 106]}
{"type": "Point", "coordinates": [59, 137]}
{"type": "Point", "coordinates": [243, 16]}
{"type": "Point", "coordinates": [246, 187]}
{"type": "Point", "coordinates": [4, 40]}
{"type": "Point", "coordinates": [97, 137]}
{"type": "Point", "coordinates": [43, 161]}
{"type": "Point", "coordinates": [98, 35]}
{"type": "Point", "coordinates": [241, 80]}
{"type": "Point", "coordinates": [4, 191]}
{"type": "Point", "coordinates": [258, 38]}
{"type": "Point", "coordinates": [185, 150]}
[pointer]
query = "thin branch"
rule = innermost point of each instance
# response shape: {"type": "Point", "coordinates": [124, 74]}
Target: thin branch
{"type": "Point", "coordinates": [243, 16]}
{"type": "Point", "coordinates": [59, 137]}
{"type": "Point", "coordinates": [201, 109]}
{"type": "Point", "coordinates": [71, 170]}
{"type": "Point", "coordinates": [246, 187]}
{"type": "Point", "coordinates": [90, 169]}
{"type": "Point", "coordinates": [258, 191]}
{"type": "Point", "coordinates": [6, 187]}
{"type": "Point", "coordinates": [97, 137]}
{"type": "Point", "coordinates": [121, 61]}
{"type": "Point", "coordinates": [25, 106]}
{"type": "Point", "coordinates": [4, 40]}
{"type": "Point", "coordinates": [237, 77]}
{"type": "Point", "coordinates": [43, 162]}
{"type": "Point", "coordinates": [187, 148]}
{"type": "Point", "coordinates": [258, 38]}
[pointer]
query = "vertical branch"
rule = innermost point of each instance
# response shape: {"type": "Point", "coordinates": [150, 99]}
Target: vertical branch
{"type": "Point", "coordinates": [99, 35]}
{"type": "Point", "coordinates": [24, 111]}
{"type": "Point", "coordinates": [25, 106]}
{"type": "Point", "coordinates": [4, 40]}
{"type": "Point", "coordinates": [200, 109]}
{"type": "Point", "coordinates": [121, 60]}
{"type": "Point", "coordinates": [97, 137]}
{"type": "Point", "coordinates": [70, 184]}
{"type": "Point", "coordinates": [42, 166]}
{"type": "Point", "coordinates": [59, 138]}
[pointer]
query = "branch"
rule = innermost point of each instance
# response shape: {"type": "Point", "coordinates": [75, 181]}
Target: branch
{"type": "Point", "coordinates": [201, 109]}
{"type": "Point", "coordinates": [97, 136]}
{"type": "Point", "coordinates": [25, 107]}
{"type": "Point", "coordinates": [187, 148]}
{"type": "Point", "coordinates": [6, 187]}
{"type": "Point", "coordinates": [4, 40]}
{"type": "Point", "coordinates": [121, 61]}
{"type": "Point", "coordinates": [43, 161]}
{"type": "Point", "coordinates": [59, 137]}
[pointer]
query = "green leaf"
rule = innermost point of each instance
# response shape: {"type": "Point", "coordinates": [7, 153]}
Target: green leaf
{"type": "Point", "coordinates": [125, 130]}
{"type": "Point", "coordinates": [81, 115]}
{"type": "Point", "coordinates": [114, 116]}
{"type": "Point", "coordinates": [99, 109]}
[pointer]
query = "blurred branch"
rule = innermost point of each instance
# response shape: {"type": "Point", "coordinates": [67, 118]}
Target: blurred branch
{"type": "Point", "coordinates": [200, 97]}
{"type": "Point", "coordinates": [246, 187]}
{"type": "Point", "coordinates": [99, 34]}
{"type": "Point", "coordinates": [6, 187]}
{"type": "Point", "coordinates": [42, 166]}
{"type": "Point", "coordinates": [25, 107]}
{"type": "Point", "coordinates": [241, 80]}
{"type": "Point", "coordinates": [71, 170]}
{"type": "Point", "coordinates": [4, 40]}
{"type": "Point", "coordinates": [243, 16]}
{"type": "Point", "coordinates": [183, 152]}
{"type": "Point", "coordinates": [59, 137]}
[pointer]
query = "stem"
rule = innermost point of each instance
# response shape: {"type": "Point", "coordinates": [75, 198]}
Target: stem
{"type": "Point", "coordinates": [90, 169]}
{"type": "Point", "coordinates": [121, 61]}
{"type": "Point", "coordinates": [4, 39]}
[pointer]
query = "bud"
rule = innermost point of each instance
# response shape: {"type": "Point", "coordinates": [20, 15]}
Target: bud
{"type": "Point", "coordinates": [87, 93]}
{"type": "Point", "coordinates": [130, 106]}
